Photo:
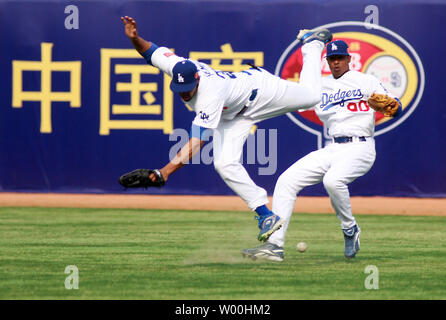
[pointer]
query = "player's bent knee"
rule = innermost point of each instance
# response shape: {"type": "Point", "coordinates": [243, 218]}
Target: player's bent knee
{"type": "Point", "coordinates": [329, 184]}
{"type": "Point", "coordinates": [283, 180]}
{"type": "Point", "coordinates": [218, 165]}
{"type": "Point", "coordinates": [285, 184]}
{"type": "Point", "coordinates": [224, 167]}
{"type": "Point", "coordinates": [332, 184]}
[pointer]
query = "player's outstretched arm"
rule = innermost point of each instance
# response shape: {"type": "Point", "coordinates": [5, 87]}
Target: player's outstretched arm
{"type": "Point", "coordinates": [186, 153]}
{"type": "Point", "coordinates": [143, 178]}
{"type": "Point", "coordinates": [131, 32]}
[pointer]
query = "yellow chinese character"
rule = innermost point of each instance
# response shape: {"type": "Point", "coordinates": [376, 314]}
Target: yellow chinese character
{"type": "Point", "coordinates": [45, 95]}
{"type": "Point", "coordinates": [237, 58]}
{"type": "Point", "coordinates": [135, 87]}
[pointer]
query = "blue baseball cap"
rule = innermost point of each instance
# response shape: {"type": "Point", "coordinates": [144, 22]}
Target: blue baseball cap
{"type": "Point", "coordinates": [184, 76]}
{"type": "Point", "coordinates": [337, 47]}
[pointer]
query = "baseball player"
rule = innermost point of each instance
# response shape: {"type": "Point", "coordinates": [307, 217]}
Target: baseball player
{"type": "Point", "coordinates": [346, 109]}
{"type": "Point", "coordinates": [229, 104]}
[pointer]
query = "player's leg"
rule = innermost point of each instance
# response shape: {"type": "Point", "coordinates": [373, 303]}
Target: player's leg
{"type": "Point", "coordinates": [310, 75]}
{"type": "Point", "coordinates": [278, 96]}
{"type": "Point", "coordinates": [308, 91]}
{"type": "Point", "coordinates": [228, 140]}
{"type": "Point", "coordinates": [307, 171]}
{"type": "Point", "coordinates": [351, 160]}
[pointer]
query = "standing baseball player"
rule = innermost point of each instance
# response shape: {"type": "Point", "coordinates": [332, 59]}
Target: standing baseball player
{"type": "Point", "coordinates": [229, 104]}
{"type": "Point", "coordinates": [347, 109]}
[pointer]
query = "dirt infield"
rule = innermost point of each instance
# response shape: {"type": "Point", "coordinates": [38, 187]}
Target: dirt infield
{"type": "Point", "coordinates": [360, 205]}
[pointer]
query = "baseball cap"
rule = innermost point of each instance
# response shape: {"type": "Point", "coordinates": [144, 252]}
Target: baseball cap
{"type": "Point", "coordinates": [337, 47]}
{"type": "Point", "coordinates": [184, 76]}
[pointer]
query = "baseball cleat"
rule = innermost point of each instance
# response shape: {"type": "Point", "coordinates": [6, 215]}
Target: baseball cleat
{"type": "Point", "coordinates": [268, 225]}
{"type": "Point", "coordinates": [323, 35]}
{"type": "Point", "coordinates": [267, 251]}
{"type": "Point", "coordinates": [351, 239]}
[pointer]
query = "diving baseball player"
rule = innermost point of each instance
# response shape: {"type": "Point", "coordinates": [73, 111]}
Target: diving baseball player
{"type": "Point", "coordinates": [346, 110]}
{"type": "Point", "coordinates": [229, 104]}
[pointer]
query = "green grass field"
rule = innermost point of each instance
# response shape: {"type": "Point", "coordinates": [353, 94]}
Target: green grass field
{"type": "Point", "coordinates": [170, 255]}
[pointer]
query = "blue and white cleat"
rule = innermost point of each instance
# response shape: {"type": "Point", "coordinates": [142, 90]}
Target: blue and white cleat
{"type": "Point", "coordinates": [323, 35]}
{"type": "Point", "coordinates": [351, 239]}
{"type": "Point", "coordinates": [267, 251]}
{"type": "Point", "coordinates": [268, 225]}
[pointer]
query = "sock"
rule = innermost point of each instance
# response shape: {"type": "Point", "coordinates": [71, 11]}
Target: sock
{"type": "Point", "coordinates": [263, 211]}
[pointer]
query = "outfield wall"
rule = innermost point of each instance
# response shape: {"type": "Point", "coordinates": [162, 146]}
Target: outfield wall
{"type": "Point", "coordinates": [73, 118]}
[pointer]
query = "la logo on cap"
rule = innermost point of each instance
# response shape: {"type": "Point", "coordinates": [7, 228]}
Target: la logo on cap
{"type": "Point", "coordinates": [180, 78]}
{"type": "Point", "coordinates": [334, 47]}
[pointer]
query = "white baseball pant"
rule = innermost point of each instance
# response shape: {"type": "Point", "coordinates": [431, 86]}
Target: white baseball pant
{"type": "Point", "coordinates": [276, 97]}
{"type": "Point", "coordinates": [336, 166]}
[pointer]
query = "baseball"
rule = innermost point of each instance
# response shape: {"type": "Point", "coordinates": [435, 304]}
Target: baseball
{"type": "Point", "coordinates": [301, 246]}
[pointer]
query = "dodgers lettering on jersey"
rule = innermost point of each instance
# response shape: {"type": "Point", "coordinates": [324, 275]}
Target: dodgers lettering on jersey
{"type": "Point", "coordinates": [344, 109]}
{"type": "Point", "coordinates": [341, 97]}
{"type": "Point", "coordinates": [221, 95]}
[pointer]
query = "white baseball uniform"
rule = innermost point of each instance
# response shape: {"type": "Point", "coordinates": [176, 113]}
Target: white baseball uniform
{"type": "Point", "coordinates": [230, 103]}
{"type": "Point", "coordinates": [344, 111]}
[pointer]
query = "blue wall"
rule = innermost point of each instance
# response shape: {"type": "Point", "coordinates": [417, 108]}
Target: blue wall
{"type": "Point", "coordinates": [71, 149]}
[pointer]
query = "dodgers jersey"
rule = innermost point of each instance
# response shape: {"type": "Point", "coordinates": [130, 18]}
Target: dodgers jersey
{"type": "Point", "coordinates": [344, 109]}
{"type": "Point", "coordinates": [221, 95]}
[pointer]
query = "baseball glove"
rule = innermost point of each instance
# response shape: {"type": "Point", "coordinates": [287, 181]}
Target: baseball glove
{"type": "Point", "coordinates": [139, 178]}
{"type": "Point", "coordinates": [384, 104]}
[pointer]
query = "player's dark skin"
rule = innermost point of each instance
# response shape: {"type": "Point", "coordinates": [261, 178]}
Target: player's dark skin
{"type": "Point", "coordinates": [194, 145]}
{"type": "Point", "coordinates": [338, 65]}
{"type": "Point", "coordinates": [187, 96]}
{"type": "Point", "coordinates": [142, 46]}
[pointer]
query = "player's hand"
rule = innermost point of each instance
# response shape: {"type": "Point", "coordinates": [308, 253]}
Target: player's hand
{"type": "Point", "coordinates": [131, 30]}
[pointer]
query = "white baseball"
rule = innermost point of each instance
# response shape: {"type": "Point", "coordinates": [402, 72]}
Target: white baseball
{"type": "Point", "coordinates": [302, 246]}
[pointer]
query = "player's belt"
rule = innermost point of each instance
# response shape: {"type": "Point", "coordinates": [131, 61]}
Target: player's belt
{"type": "Point", "coordinates": [251, 98]}
{"type": "Point", "coordinates": [253, 94]}
{"type": "Point", "coordinates": [254, 67]}
{"type": "Point", "coordinates": [348, 139]}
